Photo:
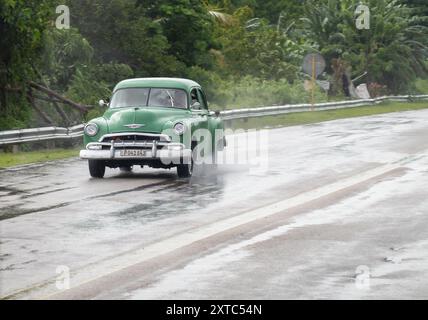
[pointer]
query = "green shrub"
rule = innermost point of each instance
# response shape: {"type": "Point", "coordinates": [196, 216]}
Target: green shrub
{"type": "Point", "coordinates": [253, 92]}
{"type": "Point", "coordinates": [421, 86]}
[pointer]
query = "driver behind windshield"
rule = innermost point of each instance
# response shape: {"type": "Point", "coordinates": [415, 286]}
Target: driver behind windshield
{"type": "Point", "coordinates": [168, 98]}
{"type": "Point", "coordinates": [139, 97]}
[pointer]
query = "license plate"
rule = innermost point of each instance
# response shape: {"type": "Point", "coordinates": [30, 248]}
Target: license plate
{"type": "Point", "coordinates": [132, 153]}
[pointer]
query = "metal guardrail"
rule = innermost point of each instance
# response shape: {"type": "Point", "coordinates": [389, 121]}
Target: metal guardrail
{"type": "Point", "coordinates": [39, 134]}
{"type": "Point", "coordinates": [12, 137]}
{"type": "Point", "coordinates": [276, 110]}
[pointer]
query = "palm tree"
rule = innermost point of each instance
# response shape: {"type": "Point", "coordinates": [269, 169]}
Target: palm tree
{"type": "Point", "coordinates": [393, 51]}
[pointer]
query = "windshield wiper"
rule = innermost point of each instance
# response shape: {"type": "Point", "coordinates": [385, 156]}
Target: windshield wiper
{"type": "Point", "coordinates": [171, 98]}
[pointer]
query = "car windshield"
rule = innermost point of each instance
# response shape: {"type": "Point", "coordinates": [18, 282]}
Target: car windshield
{"type": "Point", "coordinates": [155, 97]}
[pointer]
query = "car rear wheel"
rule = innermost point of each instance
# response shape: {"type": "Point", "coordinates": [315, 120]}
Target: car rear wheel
{"type": "Point", "coordinates": [97, 168]}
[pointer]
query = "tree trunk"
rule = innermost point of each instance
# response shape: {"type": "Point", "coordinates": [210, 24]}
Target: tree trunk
{"type": "Point", "coordinates": [82, 109]}
{"type": "Point", "coordinates": [35, 107]}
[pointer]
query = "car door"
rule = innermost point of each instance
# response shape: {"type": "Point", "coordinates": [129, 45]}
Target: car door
{"type": "Point", "coordinates": [199, 109]}
{"type": "Point", "coordinates": [213, 123]}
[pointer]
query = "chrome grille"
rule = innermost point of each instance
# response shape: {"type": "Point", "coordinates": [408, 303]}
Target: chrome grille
{"type": "Point", "coordinates": [135, 137]}
{"type": "Point", "coordinates": [131, 138]}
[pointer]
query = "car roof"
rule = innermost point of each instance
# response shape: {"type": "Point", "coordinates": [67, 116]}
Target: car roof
{"type": "Point", "coordinates": [174, 83]}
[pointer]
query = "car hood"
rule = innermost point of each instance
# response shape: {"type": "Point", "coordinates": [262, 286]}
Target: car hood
{"type": "Point", "coordinates": [151, 120]}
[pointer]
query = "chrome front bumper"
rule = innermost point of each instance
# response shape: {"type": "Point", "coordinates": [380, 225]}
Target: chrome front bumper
{"type": "Point", "coordinates": [156, 150]}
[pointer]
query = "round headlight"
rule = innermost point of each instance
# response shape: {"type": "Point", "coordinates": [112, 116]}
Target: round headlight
{"type": "Point", "coordinates": [179, 128]}
{"type": "Point", "coordinates": [91, 129]}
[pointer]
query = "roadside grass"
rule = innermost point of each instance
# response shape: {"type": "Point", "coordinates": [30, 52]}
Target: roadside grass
{"type": "Point", "coordinates": [26, 157]}
{"type": "Point", "coordinates": [309, 117]}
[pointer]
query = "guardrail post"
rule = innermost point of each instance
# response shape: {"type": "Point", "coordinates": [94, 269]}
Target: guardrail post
{"type": "Point", "coordinates": [15, 148]}
{"type": "Point", "coordinates": [50, 144]}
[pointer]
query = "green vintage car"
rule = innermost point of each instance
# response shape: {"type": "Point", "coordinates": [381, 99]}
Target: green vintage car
{"type": "Point", "coordinates": [155, 122]}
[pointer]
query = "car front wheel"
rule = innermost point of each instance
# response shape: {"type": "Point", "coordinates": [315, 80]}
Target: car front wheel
{"type": "Point", "coordinates": [97, 168]}
{"type": "Point", "coordinates": [185, 170]}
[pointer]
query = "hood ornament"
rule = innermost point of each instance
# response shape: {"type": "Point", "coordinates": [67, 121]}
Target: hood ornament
{"type": "Point", "coordinates": [134, 126]}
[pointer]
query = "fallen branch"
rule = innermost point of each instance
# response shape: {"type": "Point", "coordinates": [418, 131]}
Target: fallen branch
{"type": "Point", "coordinates": [47, 99]}
{"type": "Point", "coordinates": [49, 92]}
{"type": "Point", "coordinates": [54, 102]}
{"type": "Point", "coordinates": [35, 107]}
{"type": "Point", "coordinates": [12, 89]}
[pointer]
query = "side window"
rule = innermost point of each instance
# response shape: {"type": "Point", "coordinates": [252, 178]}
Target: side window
{"type": "Point", "coordinates": [202, 99]}
{"type": "Point", "coordinates": [195, 102]}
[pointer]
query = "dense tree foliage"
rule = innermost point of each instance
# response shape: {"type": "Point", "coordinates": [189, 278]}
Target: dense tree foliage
{"type": "Point", "coordinates": [245, 52]}
{"type": "Point", "coordinates": [22, 24]}
{"type": "Point", "coordinates": [419, 11]}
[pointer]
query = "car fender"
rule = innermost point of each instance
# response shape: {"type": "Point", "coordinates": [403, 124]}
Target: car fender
{"type": "Point", "coordinates": [102, 124]}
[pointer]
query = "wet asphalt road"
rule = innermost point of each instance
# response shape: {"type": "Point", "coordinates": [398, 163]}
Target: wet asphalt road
{"type": "Point", "coordinates": [336, 210]}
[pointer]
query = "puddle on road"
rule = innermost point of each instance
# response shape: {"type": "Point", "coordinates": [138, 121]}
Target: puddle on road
{"type": "Point", "coordinates": [15, 210]}
{"type": "Point", "coordinates": [10, 191]}
{"type": "Point", "coordinates": [160, 198]}
{"type": "Point", "coordinates": [4, 256]}
{"type": "Point", "coordinates": [27, 195]}
{"type": "Point", "coordinates": [168, 183]}
{"type": "Point", "coordinates": [179, 198]}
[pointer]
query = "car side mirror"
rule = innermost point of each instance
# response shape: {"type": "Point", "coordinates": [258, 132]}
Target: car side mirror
{"type": "Point", "coordinates": [196, 105]}
{"type": "Point", "coordinates": [103, 103]}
